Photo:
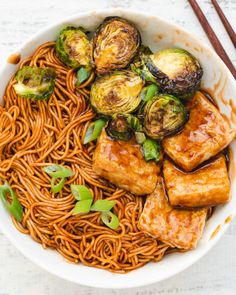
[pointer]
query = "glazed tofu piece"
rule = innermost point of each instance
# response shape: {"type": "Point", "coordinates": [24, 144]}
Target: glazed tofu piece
{"type": "Point", "coordinates": [175, 227]}
{"type": "Point", "coordinates": [207, 186]}
{"type": "Point", "coordinates": [205, 134]}
{"type": "Point", "coordinates": [122, 163]}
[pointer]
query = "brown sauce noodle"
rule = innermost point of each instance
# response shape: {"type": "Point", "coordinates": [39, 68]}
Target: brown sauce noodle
{"type": "Point", "coordinates": [37, 133]}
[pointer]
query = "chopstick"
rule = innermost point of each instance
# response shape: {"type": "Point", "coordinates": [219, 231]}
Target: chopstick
{"type": "Point", "coordinates": [212, 37]}
{"type": "Point", "coordinates": [225, 22]}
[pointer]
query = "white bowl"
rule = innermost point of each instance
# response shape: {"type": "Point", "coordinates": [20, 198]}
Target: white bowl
{"type": "Point", "coordinates": [158, 34]}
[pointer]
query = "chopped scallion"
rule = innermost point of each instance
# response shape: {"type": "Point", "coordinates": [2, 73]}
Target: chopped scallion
{"type": "Point", "coordinates": [94, 130]}
{"type": "Point", "coordinates": [149, 92]}
{"type": "Point", "coordinates": [82, 75]}
{"type": "Point", "coordinates": [110, 220]}
{"type": "Point", "coordinates": [58, 171]}
{"type": "Point", "coordinates": [56, 187]}
{"type": "Point", "coordinates": [140, 137]}
{"type": "Point", "coordinates": [82, 207]}
{"type": "Point", "coordinates": [103, 205]}
{"type": "Point", "coordinates": [81, 192]}
{"type": "Point", "coordinates": [151, 150]}
{"type": "Point", "coordinates": [14, 208]}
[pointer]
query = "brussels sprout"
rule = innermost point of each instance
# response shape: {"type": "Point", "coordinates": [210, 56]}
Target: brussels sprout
{"type": "Point", "coordinates": [176, 71]}
{"type": "Point", "coordinates": [163, 115]}
{"type": "Point", "coordinates": [117, 92]}
{"type": "Point", "coordinates": [73, 48]}
{"type": "Point", "coordinates": [119, 129]}
{"type": "Point", "coordinates": [123, 126]}
{"type": "Point", "coordinates": [35, 83]}
{"type": "Point", "coordinates": [115, 44]}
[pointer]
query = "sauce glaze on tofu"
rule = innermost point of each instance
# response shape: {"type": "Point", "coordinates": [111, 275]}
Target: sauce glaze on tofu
{"type": "Point", "coordinates": [207, 186]}
{"type": "Point", "coordinates": [204, 135]}
{"type": "Point", "coordinates": [175, 227]}
{"type": "Point", "coordinates": [122, 163]}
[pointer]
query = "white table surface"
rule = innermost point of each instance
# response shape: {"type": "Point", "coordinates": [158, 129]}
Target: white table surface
{"type": "Point", "coordinates": [213, 274]}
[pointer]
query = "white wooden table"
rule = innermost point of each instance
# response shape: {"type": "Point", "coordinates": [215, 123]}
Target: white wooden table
{"type": "Point", "coordinates": [213, 274]}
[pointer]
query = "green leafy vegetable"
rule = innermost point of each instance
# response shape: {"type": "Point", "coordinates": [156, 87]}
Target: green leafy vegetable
{"type": "Point", "coordinates": [140, 137]}
{"type": "Point", "coordinates": [82, 206]}
{"type": "Point", "coordinates": [14, 208]}
{"type": "Point", "coordinates": [110, 220]}
{"type": "Point", "coordinates": [81, 192]}
{"type": "Point", "coordinates": [151, 150]}
{"type": "Point", "coordinates": [58, 171]}
{"type": "Point", "coordinates": [94, 130]}
{"type": "Point", "coordinates": [103, 205]}
{"type": "Point", "coordinates": [149, 92]}
{"type": "Point", "coordinates": [82, 75]}
{"type": "Point", "coordinates": [56, 187]}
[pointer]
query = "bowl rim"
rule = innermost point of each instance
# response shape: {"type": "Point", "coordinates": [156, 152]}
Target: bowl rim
{"type": "Point", "coordinates": [149, 279]}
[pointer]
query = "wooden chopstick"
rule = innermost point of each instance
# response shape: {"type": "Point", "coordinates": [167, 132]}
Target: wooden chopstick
{"type": "Point", "coordinates": [225, 22]}
{"type": "Point", "coordinates": [212, 37]}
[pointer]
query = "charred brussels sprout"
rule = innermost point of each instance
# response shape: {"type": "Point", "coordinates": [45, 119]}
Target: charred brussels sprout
{"type": "Point", "coordinates": [123, 126]}
{"type": "Point", "coordinates": [115, 44]}
{"type": "Point", "coordinates": [73, 48]}
{"type": "Point", "coordinates": [117, 92]}
{"type": "Point", "coordinates": [35, 83]}
{"type": "Point", "coordinates": [176, 71]}
{"type": "Point", "coordinates": [163, 115]}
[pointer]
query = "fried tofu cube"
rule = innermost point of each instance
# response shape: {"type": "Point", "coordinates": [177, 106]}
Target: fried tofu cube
{"type": "Point", "coordinates": [175, 227]}
{"type": "Point", "coordinates": [122, 163]}
{"type": "Point", "coordinates": [205, 134]}
{"type": "Point", "coordinates": [207, 186]}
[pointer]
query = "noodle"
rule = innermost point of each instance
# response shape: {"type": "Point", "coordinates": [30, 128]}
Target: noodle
{"type": "Point", "coordinates": [34, 134]}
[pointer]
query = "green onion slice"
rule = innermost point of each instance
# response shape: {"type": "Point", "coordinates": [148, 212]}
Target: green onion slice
{"type": "Point", "coordinates": [151, 150]}
{"type": "Point", "coordinates": [140, 137]}
{"type": "Point", "coordinates": [82, 206]}
{"type": "Point", "coordinates": [81, 192]}
{"type": "Point", "coordinates": [82, 75]}
{"type": "Point", "coordinates": [14, 208]}
{"type": "Point", "coordinates": [58, 171]}
{"type": "Point", "coordinates": [94, 130]}
{"type": "Point", "coordinates": [149, 92]}
{"type": "Point", "coordinates": [103, 205]}
{"type": "Point", "coordinates": [56, 187]}
{"type": "Point", "coordinates": [110, 219]}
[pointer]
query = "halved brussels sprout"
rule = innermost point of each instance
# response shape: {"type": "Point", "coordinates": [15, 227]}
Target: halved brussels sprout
{"type": "Point", "coordinates": [73, 48]}
{"type": "Point", "coordinates": [123, 126]}
{"type": "Point", "coordinates": [35, 83]}
{"type": "Point", "coordinates": [176, 71]}
{"type": "Point", "coordinates": [163, 115]}
{"type": "Point", "coordinates": [117, 92]}
{"type": "Point", "coordinates": [115, 44]}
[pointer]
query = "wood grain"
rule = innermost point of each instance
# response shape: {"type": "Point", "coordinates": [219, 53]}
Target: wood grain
{"type": "Point", "coordinates": [213, 37]}
{"type": "Point", "coordinates": [225, 22]}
